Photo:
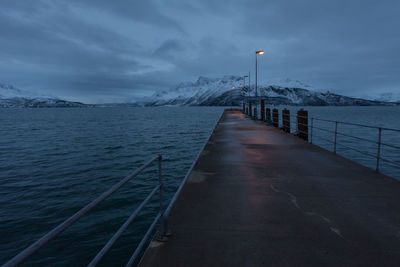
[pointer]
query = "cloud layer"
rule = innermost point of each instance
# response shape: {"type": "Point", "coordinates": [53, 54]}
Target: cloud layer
{"type": "Point", "coordinates": [108, 51]}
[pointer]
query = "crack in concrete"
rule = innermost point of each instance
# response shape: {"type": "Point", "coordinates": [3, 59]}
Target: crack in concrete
{"type": "Point", "coordinates": [293, 199]}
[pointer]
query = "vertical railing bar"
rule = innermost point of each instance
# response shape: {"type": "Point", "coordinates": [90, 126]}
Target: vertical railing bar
{"type": "Point", "coordinates": [160, 180]}
{"type": "Point", "coordinates": [334, 144]}
{"type": "Point", "coordinates": [378, 156]}
{"type": "Point", "coordinates": [311, 130]}
{"type": "Point", "coordinates": [163, 232]}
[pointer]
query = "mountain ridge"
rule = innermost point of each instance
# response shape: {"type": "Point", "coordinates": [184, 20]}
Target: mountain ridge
{"type": "Point", "coordinates": [13, 97]}
{"type": "Point", "coordinates": [230, 91]}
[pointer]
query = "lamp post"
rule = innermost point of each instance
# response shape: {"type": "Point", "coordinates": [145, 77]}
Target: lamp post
{"type": "Point", "coordinates": [260, 52]}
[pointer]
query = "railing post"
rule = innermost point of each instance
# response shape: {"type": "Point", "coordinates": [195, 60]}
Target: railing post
{"type": "Point", "coordinates": [286, 120]}
{"type": "Point", "coordinates": [311, 130]}
{"type": "Point", "coordinates": [262, 109]}
{"type": "Point", "coordinates": [334, 143]}
{"type": "Point", "coordinates": [275, 117]}
{"type": "Point", "coordinates": [378, 156]}
{"type": "Point", "coordinates": [302, 124]}
{"type": "Point", "coordinates": [250, 111]}
{"type": "Point", "coordinates": [255, 113]}
{"type": "Point", "coordinates": [268, 115]}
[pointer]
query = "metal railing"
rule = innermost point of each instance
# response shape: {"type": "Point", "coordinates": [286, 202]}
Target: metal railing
{"type": "Point", "coordinates": [378, 142]}
{"type": "Point", "coordinates": [313, 130]}
{"type": "Point", "coordinates": [25, 254]}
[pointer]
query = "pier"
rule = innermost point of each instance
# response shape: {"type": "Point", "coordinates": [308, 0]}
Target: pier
{"type": "Point", "coordinates": [259, 196]}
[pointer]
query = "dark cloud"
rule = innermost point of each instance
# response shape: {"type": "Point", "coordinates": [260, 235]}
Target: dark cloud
{"type": "Point", "coordinates": [148, 11]}
{"type": "Point", "coordinates": [169, 47]}
{"type": "Point", "coordinates": [115, 50]}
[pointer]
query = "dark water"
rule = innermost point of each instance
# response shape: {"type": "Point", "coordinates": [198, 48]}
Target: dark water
{"type": "Point", "coordinates": [54, 161]}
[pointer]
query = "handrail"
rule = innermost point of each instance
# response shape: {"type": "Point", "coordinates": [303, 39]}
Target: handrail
{"type": "Point", "coordinates": [359, 138]}
{"type": "Point", "coordinates": [322, 129]}
{"type": "Point", "coordinates": [389, 145]}
{"type": "Point", "coordinates": [356, 137]}
{"type": "Point", "coordinates": [357, 124]}
{"type": "Point", "coordinates": [378, 142]}
{"type": "Point", "coordinates": [359, 151]}
{"type": "Point", "coordinates": [390, 161]}
{"type": "Point", "coordinates": [29, 251]}
{"type": "Point", "coordinates": [322, 138]}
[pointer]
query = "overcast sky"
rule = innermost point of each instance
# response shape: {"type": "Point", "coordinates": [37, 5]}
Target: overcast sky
{"type": "Point", "coordinates": [108, 50]}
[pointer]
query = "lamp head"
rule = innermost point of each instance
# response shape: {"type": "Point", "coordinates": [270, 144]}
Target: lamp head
{"type": "Point", "coordinates": [261, 52]}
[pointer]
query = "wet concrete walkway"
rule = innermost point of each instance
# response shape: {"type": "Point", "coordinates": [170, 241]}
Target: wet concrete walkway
{"type": "Point", "coordinates": [261, 197]}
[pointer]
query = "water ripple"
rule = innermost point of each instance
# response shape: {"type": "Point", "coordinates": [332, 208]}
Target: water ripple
{"type": "Point", "coordinates": [54, 161]}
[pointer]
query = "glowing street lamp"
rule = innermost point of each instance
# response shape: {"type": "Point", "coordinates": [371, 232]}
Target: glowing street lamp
{"type": "Point", "coordinates": [260, 52]}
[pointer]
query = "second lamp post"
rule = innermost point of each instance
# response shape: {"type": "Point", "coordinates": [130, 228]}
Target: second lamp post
{"type": "Point", "coordinates": [260, 52]}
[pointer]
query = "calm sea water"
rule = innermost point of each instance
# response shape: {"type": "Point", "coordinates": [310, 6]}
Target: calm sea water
{"type": "Point", "coordinates": [54, 161]}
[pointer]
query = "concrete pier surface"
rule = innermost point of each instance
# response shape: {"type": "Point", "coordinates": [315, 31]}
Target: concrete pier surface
{"type": "Point", "coordinates": [260, 197]}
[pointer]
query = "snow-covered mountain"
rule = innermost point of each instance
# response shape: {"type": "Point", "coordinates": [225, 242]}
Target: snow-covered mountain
{"type": "Point", "coordinates": [12, 97]}
{"type": "Point", "coordinates": [229, 91]}
{"type": "Point", "coordinates": [199, 92]}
